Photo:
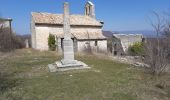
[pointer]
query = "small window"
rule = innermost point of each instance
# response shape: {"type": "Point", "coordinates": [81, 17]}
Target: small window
{"type": "Point", "coordinates": [115, 53]}
{"type": "Point", "coordinates": [115, 45]}
{"type": "Point", "coordinates": [87, 42]}
{"type": "Point", "coordinates": [95, 43]}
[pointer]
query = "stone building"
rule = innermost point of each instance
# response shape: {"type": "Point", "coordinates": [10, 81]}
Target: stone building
{"type": "Point", "coordinates": [86, 31]}
{"type": "Point", "coordinates": [121, 42]}
{"type": "Point", "coordinates": [6, 23]}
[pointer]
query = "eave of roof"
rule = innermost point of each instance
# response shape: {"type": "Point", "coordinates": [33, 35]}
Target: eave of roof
{"type": "Point", "coordinates": [85, 36]}
{"type": "Point", "coordinates": [5, 19]}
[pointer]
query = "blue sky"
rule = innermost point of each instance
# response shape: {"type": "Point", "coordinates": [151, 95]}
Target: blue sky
{"type": "Point", "coordinates": [118, 15]}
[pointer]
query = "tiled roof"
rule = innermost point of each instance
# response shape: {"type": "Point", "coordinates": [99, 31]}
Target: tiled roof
{"type": "Point", "coordinates": [47, 18]}
{"type": "Point", "coordinates": [84, 35]}
{"type": "Point", "coordinates": [88, 35]}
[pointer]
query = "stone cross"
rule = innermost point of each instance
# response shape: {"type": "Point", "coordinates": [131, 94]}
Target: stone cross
{"type": "Point", "coordinates": [66, 21]}
{"type": "Point", "coordinates": [26, 43]}
{"type": "Point", "coordinates": [68, 62]}
{"type": "Point", "coordinates": [67, 42]}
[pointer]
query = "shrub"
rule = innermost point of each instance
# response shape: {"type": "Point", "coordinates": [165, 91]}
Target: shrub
{"type": "Point", "coordinates": [51, 42]}
{"type": "Point", "coordinates": [136, 49]}
{"type": "Point", "coordinates": [109, 44]}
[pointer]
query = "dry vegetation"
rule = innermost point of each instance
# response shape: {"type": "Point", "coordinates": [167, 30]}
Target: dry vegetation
{"type": "Point", "coordinates": [157, 50]}
{"type": "Point", "coordinates": [9, 41]}
{"type": "Point", "coordinates": [25, 76]}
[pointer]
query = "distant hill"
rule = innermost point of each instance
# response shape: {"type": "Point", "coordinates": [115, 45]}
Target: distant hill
{"type": "Point", "coordinates": [108, 33]}
{"type": "Point", "coordinates": [145, 33]}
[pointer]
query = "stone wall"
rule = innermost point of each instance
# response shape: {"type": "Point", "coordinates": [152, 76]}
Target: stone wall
{"type": "Point", "coordinates": [33, 34]}
{"type": "Point", "coordinates": [125, 40]}
{"type": "Point", "coordinates": [102, 45]}
{"type": "Point", "coordinates": [5, 24]}
{"type": "Point", "coordinates": [40, 39]}
{"type": "Point", "coordinates": [42, 34]}
{"type": "Point", "coordinates": [99, 46]}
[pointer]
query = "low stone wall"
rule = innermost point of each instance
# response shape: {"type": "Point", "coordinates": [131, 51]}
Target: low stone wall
{"type": "Point", "coordinates": [100, 46]}
{"type": "Point", "coordinates": [125, 40]}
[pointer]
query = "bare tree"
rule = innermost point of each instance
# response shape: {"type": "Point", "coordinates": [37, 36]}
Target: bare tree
{"type": "Point", "coordinates": [156, 50]}
{"type": "Point", "coordinates": [167, 29]}
{"type": "Point", "coordinates": [156, 58]}
{"type": "Point", "coordinates": [167, 32]}
{"type": "Point", "coordinates": [8, 41]}
{"type": "Point", "coordinates": [167, 25]}
{"type": "Point", "coordinates": [1, 24]}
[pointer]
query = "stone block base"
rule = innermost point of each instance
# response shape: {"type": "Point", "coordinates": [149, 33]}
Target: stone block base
{"type": "Point", "coordinates": [58, 66]}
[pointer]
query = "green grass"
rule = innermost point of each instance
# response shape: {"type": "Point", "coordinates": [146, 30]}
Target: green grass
{"type": "Point", "coordinates": [25, 76]}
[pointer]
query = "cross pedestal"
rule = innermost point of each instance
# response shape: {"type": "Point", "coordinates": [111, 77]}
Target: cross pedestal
{"type": "Point", "coordinates": [68, 52]}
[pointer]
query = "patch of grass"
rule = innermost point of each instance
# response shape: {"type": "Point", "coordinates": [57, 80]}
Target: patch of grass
{"type": "Point", "coordinates": [168, 93]}
{"type": "Point", "coordinates": [106, 80]}
{"type": "Point", "coordinates": [121, 96]}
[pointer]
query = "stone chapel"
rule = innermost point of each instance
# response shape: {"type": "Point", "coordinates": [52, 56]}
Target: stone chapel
{"type": "Point", "coordinates": [86, 30]}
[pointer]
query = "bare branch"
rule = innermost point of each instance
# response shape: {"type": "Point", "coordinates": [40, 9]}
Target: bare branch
{"type": "Point", "coordinates": [157, 49]}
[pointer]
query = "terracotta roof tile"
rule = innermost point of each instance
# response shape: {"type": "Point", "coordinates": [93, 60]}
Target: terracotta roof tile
{"type": "Point", "coordinates": [88, 35]}
{"type": "Point", "coordinates": [47, 18]}
{"type": "Point", "coordinates": [84, 35]}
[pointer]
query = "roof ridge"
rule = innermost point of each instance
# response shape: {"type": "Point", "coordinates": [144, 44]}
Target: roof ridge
{"type": "Point", "coordinates": [57, 13]}
{"type": "Point", "coordinates": [76, 19]}
{"type": "Point", "coordinates": [46, 13]}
